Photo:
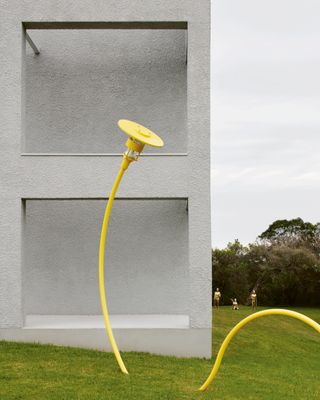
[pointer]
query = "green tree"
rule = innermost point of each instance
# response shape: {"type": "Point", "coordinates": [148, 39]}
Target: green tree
{"type": "Point", "coordinates": [293, 232]}
{"type": "Point", "coordinates": [283, 266]}
{"type": "Point", "coordinates": [291, 277]}
{"type": "Point", "coordinates": [230, 272]}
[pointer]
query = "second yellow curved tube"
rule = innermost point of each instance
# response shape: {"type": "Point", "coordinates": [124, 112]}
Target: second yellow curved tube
{"type": "Point", "coordinates": [244, 322]}
{"type": "Point", "coordinates": [124, 165]}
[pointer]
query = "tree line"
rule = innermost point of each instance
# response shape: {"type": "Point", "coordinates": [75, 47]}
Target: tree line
{"type": "Point", "coordinates": [282, 265]}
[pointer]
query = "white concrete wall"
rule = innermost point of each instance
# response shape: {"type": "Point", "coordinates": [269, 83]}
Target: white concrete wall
{"type": "Point", "coordinates": [38, 119]}
{"type": "Point", "coordinates": [146, 258]}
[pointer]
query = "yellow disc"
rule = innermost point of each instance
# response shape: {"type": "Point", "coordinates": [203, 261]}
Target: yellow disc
{"type": "Point", "coordinates": [140, 133]}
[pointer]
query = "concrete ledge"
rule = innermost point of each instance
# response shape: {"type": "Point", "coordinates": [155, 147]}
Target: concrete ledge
{"type": "Point", "coordinates": [153, 321]}
{"type": "Point", "coordinates": [177, 342]}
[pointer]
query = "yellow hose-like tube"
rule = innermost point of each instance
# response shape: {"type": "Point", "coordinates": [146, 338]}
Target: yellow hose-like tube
{"type": "Point", "coordinates": [244, 322]}
{"type": "Point", "coordinates": [124, 165]}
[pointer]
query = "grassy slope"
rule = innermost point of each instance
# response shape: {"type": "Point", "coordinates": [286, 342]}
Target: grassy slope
{"type": "Point", "coordinates": [273, 358]}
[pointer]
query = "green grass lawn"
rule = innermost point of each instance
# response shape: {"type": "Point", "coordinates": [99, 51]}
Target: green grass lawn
{"type": "Point", "coordinates": [272, 358]}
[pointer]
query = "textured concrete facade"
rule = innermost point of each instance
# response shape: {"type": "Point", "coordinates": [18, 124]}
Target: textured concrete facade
{"type": "Point", "coordinates": [61, 149]}
{"type": "Point", "coordinates": [61, 257]}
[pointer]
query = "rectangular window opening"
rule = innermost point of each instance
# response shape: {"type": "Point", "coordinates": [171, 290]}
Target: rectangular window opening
{"type": "Point", "coordinates": [89, 75]}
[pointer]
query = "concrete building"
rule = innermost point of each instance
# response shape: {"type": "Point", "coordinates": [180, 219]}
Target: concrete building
{"type": "Point", "coordinates": [60, 150]}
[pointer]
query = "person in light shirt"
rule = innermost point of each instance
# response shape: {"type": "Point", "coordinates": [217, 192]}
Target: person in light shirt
{"type": "Point", "coordinates": [216, 298]}
{"type": "Point", "coordinates": [253, 297]}
{"type": "Point", "coordinates": [235, 305]}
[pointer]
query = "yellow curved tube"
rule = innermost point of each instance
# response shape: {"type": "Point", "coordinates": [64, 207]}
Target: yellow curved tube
{"type": "Point", "coordinates": [124, 165]}
{"type": "Point", "coordinates": [244, 322]}
{"type": "Point", "coordinates": [145, 136]}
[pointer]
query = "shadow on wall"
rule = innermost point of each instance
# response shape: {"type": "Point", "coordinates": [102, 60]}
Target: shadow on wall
{"type": "Point", "coordinates": [85, 80]}
{"type": "Point", "coordinates": [147, 263]}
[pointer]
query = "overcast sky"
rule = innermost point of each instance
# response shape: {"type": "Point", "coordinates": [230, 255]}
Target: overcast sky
{"type": "Point", "coordinates": [265, 115]}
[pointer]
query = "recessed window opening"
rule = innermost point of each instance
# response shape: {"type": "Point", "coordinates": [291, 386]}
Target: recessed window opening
{"type": "Point", "coordinates": [88, 76]}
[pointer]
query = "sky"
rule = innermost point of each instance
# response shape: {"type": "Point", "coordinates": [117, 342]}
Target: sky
{"type": "Point", "coordinates": [265, 115]}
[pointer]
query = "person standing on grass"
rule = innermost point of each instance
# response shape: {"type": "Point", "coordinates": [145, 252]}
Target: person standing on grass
{"type": "Point", "coordinates": [235, 305]}
{"type": "Point", "coordinates": [216, 298]}
{"type": "Point", "coordinates": [253, 297]}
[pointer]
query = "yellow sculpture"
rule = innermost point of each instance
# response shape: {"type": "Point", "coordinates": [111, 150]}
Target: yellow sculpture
{"type": "Point", "coordinates": [244, 322]}
{"type": "Point", "coordinates": [139, 136]}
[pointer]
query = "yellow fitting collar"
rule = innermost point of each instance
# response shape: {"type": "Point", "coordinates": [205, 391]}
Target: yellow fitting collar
{"type": "Point", "coordinates": [134, 145]}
